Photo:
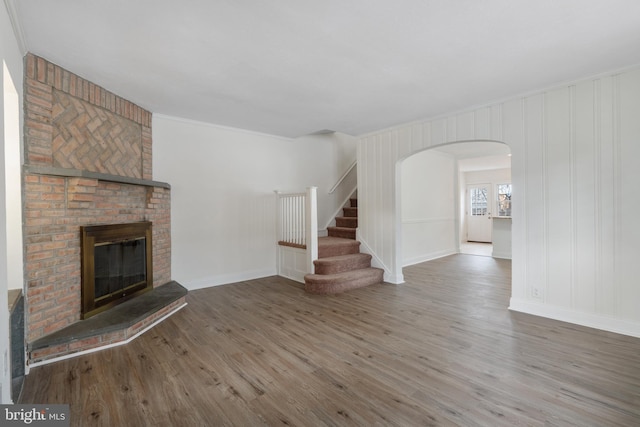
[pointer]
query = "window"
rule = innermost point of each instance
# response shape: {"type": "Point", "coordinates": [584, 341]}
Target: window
{"type": "Point", "coordinates": [478, 201]}
{"type": "Point", "coordinates": [504, 200]}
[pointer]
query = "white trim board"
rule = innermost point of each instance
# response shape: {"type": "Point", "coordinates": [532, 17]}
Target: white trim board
{"type": "Point", "coordinates": [576, 317]}
{"type": "Point", "coordinates": [226, 279]}
{"type": "Point", "coordinates": [428, 257]}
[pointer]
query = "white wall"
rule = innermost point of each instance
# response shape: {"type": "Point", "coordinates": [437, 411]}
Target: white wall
{"type": "Point", "coordinates": [13, 179]}
{"type": "Point", "coordinates": [575, 173]}
{"type": "Point", "coordinates": [12, 70]}
{"type": "Point", "coordinates": [325, 158]}
{"type": "Point", "coordinates": [428, 206]}
{"type": "Point", "coordinates": [222, 194]}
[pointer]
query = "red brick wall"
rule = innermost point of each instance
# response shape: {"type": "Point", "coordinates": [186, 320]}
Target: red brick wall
{"type": "Point", "coordinates": [56, 206]}
{"type": "Point", "coordinates": [41, 79]}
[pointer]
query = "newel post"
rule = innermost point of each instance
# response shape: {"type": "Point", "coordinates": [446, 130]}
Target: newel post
{"type": "Point", "coordinates": [311, 224]}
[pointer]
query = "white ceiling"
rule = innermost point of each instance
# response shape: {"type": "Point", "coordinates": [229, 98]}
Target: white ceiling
{"type": "Point", "coordinates": [293, 67]}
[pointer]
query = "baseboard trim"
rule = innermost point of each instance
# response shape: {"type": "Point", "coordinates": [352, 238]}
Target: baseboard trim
{"type": "Point", "coordinates": [501, 255]}
{"type": "Point", "coordinates": [591, 320]}
{"type": "Point", "coordinates": [397, 279]}
{"type": "Point", "coordinates": [225, 279]}
{"type": "Point", "coordinates": [428, 257]}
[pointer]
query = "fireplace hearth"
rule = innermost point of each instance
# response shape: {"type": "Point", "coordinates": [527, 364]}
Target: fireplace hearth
{"type": "Point", "coordinates": [116, 264]}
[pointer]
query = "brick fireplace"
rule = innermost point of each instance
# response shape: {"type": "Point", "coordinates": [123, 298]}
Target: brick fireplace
{"type": "Point", "coordinates": [87, 161]}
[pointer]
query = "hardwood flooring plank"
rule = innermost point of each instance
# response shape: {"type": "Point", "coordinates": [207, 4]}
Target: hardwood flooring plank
{"type": "Point", "coordinates": [441, 349]}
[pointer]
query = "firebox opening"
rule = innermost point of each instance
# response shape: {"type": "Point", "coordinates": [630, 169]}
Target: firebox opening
{"type": "Point", "coordinates": [116, 264]}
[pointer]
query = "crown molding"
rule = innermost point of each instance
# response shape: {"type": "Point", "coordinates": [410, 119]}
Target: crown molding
{"type": "Point", "coordinates": [221, 127]}
{"type": "Point", "coordinates": [12, 11]}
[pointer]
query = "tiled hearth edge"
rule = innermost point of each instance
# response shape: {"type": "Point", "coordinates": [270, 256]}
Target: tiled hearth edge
{"type": "Point", "coordinates": [118, 326]}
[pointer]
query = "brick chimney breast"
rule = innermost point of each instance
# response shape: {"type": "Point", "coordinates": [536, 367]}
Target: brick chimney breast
{"type": "Point", "coordinates": [88, 155]}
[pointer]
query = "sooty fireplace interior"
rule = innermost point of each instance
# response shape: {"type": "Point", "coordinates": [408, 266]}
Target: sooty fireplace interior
{"type": "Point", "coordinates": [116, 264]}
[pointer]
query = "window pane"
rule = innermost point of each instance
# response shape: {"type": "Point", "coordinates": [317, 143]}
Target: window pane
{"type": "Point", "coordinates": [504, 199]}
{"type": "Point", "coordinates": [479, 201]}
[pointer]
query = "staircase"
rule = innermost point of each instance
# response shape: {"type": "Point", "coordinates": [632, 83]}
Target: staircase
{"type": "Point", "coordinates": [340, 265]}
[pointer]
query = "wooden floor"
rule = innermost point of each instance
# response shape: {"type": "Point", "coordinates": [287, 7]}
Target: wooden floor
{"type": "Point", "coordinates": [442, 349]}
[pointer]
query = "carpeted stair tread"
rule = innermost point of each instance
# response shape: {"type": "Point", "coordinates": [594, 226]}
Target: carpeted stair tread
{"type": "Point", "coordinates": [345, 232]}
{"type": "Point", "coordinates": [334, 246]}
{"type": "Point", "coordinates": [340, 282]}
{"type": "Point", "coordinates": [342, 263]}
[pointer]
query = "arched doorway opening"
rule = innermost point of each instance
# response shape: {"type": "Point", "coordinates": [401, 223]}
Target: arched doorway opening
{"type": "Point", "coordinates": [449, 190]}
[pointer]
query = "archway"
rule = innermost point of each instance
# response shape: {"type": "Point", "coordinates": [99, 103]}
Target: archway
{"type": "Point", "coordinates": [432, 207]}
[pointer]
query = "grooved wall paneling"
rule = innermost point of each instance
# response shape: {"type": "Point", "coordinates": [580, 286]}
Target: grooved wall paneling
{"type": "Point", "coordinates": [628, 196]}
{"type": "Point", "coordinates": [605, 173]}
{"type": "Point", "coordinates": [533, 191]}
{"type": "Point", "coordinates": [575, 175]}
{"type": "Point", "coordinates": [584, 197]}
{"type": "Point", "coordinates": [557, 164]}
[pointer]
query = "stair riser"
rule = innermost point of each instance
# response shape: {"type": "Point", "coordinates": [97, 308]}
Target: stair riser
{"type": "Point", "coordinates": [329, 251]}
{"type": "Point", "coordinates": [345, 234]}
{"type": "Point", "coordinates": [330, 267]}
{"type": "Point", "coordinates": [354, 203]}
{"type": "Point", "coordinates": [371, 278]}
{"type": "Point", "coordinates": [351, 222]}
{"type": "Point", "coordinates": [350, 212]}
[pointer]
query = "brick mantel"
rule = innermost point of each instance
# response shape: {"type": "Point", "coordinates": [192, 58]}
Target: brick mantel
{"type": "Point", "coordinates": [76, 173]}
{"type": "Point", "coordinates": [88, 155]}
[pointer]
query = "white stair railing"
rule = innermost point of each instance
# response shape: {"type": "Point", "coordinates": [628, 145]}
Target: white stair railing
{"type": "Point", "coordinates": [291, 219]}
{"type": "Point", "coordinates": [344, 175]}
{"type": "Point", "coordinates": [297, 223]}
{"type": "Point", "coordinates": [343, 190]}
